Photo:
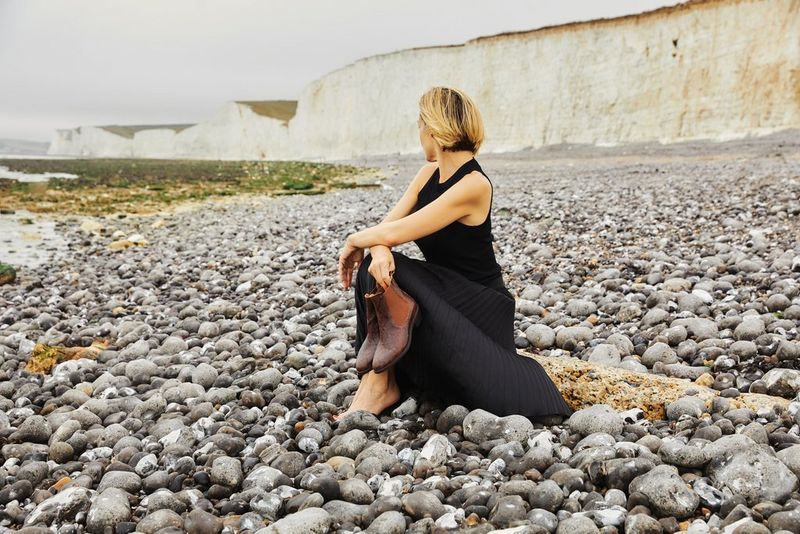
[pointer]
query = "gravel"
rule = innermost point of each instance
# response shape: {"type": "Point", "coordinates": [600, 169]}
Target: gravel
{"type": "Point", "coordinates": [230, 348]}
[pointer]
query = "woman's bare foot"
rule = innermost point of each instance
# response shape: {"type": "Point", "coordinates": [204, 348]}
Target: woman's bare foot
{"type": "Point", "coordinates": [375, 393]}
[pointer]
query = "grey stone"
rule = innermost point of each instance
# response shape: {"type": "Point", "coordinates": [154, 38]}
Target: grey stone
{"type": "Point", "coordinates": [419, 504]}
{"type": "Point", "coordinates": [266, 478]}
{"type": "Point", "coordinates": [698, 328]}
{"type": "Point", "coordinates": [356, 491]}
{"type": "Point", "coordinates": [311, 520]}
{"type": "Point", "coordinates": [201, 522]}
{"type": "Point", "coordinates": [125, 480]}
{"type": "Point", "coordinates": [480, 425]}
{"type": "Point", "coordinates": [596, 418]}
{"type": "Point", "coordinates": [62, 506]}
{"type": "Point", "coordinates": [569, 337]}
{"type": "Point", "coordinates": [205, 375]}
{"type": "Point", "coordinates": [226, 471]}
{"type": "Point", "coordinates": [577, 525]}
{"type": "Point", "coordinates": [790, 456]}
{"type": "Point", "coordinates": [348, 444]}
{"type": "Point", "coordinates": [437, 450]}
{"type": "Point", "coordinates": [659, 352]}
{"type": "Point", "coordinates": [666, 491]}
{"type": "Point", "coordinates": [268, 378]}
{"type": "Point", "coordinates": [749, 329]}
{"type": "Point", "coordinates": [160, 519]}
{"type": "Point", "coordinates": [642, 524]}
{"type": "Point", "coordinates": [108, 509]}
{"type": "Point", "coordinates": [782, 382]}
{"type": "Point", "coordinates": [687, 405]}
{"type": "Point", "coordinates": [385, 454]}
{"type": "Point", "coordinates": [540, 336]}
{"type": "Point", "coordinates": [34, 429]}
{"type": "Point", "coordinates": [506, 510]}
{"type": "Point", "coordinates": [605, 354]}
{"type": "Point", "coordinates": [389, 522]}
{"type": "Point", "coordinates": [580, 308]}
{"type": "Point", "coordinates": [752, 473]}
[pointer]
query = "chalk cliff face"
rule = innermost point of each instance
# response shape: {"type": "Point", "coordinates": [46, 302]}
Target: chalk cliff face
{"type": "Point", "coordinates": [235, 132]}
{"type": "Point", "coordinates": [713, 69]}
{"type": "Point", "coordinates": [90, 141]}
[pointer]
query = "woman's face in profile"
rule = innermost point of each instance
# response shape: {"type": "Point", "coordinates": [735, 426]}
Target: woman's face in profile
{"type": "Point", "coordinates": [427, 142]}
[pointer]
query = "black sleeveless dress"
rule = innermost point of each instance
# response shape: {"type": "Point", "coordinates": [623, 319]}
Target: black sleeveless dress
{"type": "Point", "coordinates": [463, 351]}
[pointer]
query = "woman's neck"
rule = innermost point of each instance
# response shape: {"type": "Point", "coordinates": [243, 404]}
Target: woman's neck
{"type": "Point", "coordinates": [450, 162]}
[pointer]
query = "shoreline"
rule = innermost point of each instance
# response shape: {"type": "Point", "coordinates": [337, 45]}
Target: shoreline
{"type": "Point", "coordinates": [784, 144]}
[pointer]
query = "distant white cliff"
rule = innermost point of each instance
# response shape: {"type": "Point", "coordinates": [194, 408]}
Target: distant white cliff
{"type": "Point", "coordinates": [704, 69]}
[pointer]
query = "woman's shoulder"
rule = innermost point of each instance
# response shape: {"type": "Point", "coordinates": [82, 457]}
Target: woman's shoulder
{"type": "Point", "coordinates": [424, 175]}
{"type": "Point", "coordinates": [477, 177]}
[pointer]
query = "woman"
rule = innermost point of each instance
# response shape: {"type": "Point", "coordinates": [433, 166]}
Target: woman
{"type": "Point", "coordinates": [463, 350]}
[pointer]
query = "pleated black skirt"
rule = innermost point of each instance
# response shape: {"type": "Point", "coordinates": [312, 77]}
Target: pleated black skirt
{"type": "Point", "coordinates": [463, 351]}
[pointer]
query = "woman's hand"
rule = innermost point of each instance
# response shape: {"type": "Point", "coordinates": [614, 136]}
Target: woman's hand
{"type": "Point", "coordinates": [349, 258]}
{"type": "Point", "coordinates": [382, 265]}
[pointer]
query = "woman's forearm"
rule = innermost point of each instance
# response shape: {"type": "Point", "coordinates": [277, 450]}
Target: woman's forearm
{"type": "Point", "coordinates": [369, 237]}
{"type": "Point", "coordinates": [374, 232]}
{"type": "Point", "coordinates": [389, 218]}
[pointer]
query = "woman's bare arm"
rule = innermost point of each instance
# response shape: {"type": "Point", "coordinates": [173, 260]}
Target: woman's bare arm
{"type": "Point", "coordinates": [462, 199]}
{"type": "Point", "coordinates": [409, 199]}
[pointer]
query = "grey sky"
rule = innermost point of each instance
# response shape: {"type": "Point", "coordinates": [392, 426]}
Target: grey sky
{"type": "Point", "coordinates": [74, 62]}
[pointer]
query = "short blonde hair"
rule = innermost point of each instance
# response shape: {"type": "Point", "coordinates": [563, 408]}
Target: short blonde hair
{"type": "Point", "coordinates": [452, 118]}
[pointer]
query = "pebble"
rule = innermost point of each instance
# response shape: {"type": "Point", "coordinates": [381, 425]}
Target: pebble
{"type": "Point", "coordinates": [752, 473]}
{"type": "Point", "coordinates": [109, 508]}
{"type": "Point", "coordinates": [666, 492]}
{"type": "Point", "coordinates": [596, 418]}
{"type": "Point", "coordinates": [307, 521]}
{"type": "Point", "coordinates": [210, 410]}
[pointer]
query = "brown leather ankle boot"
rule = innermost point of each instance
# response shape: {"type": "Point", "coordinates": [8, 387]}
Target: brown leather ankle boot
{"type": "Point", "coordinates": [370, 343]}
{"type": "Point", "coordinates": [398, 314]}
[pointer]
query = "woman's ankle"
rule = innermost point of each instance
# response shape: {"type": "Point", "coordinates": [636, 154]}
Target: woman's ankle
{"type": "Point", "coordinates": [380, 380]}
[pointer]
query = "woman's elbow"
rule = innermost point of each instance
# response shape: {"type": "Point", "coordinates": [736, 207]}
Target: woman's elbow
{"type": "Point", "coordinates": [391, 240]}
{"type": "Point", "coordinates": [391, 237]}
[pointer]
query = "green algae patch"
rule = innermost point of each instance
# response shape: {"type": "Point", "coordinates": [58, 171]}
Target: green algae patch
{"type": "Point", "coordinates": [45, 357]}
{"type": "Point", "coordinates": [7, 274]}
{"type": "Point", "coordinates": [141, 186]}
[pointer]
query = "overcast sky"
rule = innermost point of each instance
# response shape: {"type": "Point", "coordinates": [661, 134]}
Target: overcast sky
{"type": "Point", "coordinates": [74, 62]}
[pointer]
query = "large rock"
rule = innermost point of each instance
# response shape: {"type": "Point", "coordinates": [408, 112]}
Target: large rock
{"type": "Point", "coordinates": [585, 384]}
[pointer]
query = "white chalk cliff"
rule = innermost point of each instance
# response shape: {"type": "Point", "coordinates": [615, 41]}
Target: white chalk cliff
{"type": "Point", "coordinates": [705, 69]}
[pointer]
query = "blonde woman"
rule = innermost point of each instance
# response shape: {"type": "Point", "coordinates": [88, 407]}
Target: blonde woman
{"type": "Point", "coordinates": [463, 351]}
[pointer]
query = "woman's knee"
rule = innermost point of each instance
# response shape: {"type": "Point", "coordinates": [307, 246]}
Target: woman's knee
{"type": "Point", "coordinates": [399, 257]}
{"type": "Point", "coordinates": [364, 265]}
{"type": "Point", "coordinates": [363, 273]}
{"type": "Point", "coordinates": [363, 268]}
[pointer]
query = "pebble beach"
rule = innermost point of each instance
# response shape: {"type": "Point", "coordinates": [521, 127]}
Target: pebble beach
{"type": "Point", "coordinates": [220, 344]}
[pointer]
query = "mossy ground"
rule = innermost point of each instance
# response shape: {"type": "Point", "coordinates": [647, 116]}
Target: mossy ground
{"type": "Point", "coordinates": [115, 185]}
